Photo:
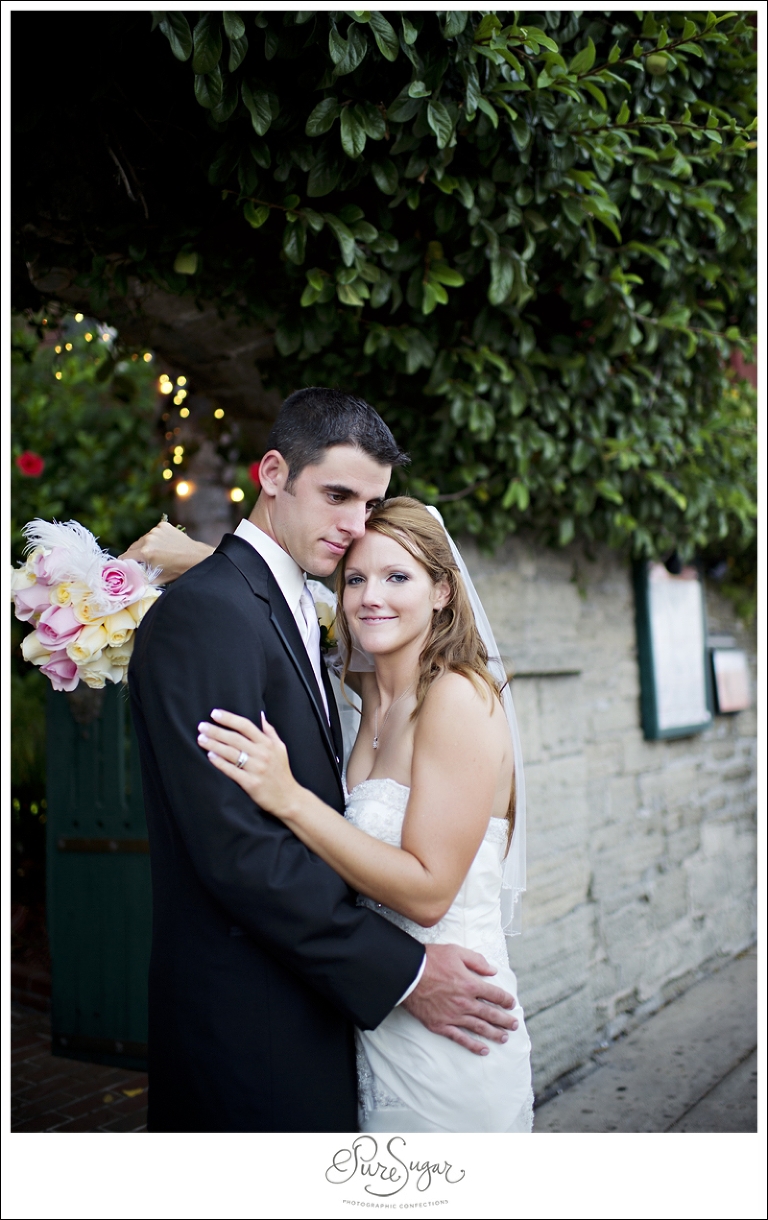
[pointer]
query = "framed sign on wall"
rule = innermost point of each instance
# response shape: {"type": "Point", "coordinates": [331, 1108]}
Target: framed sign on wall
{"type": "Point", "coordinates": [675, 681]}
{"type": "Point", "coordinates": [730, 674]}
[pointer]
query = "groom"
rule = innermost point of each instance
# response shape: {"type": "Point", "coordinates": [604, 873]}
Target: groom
{"type": "Point", "coordinates": [262, 963]}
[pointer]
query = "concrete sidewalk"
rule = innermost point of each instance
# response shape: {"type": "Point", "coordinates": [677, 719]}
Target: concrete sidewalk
{"type": "Point", "coordinates": [692, 1066]}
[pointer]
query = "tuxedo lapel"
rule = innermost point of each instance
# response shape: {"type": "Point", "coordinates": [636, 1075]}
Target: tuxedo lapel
{"type": "Point", "coordinates": [333, 711]}
{"type": "Point", "coordinates": [256, 571]}
{"type": "Point", "coordinates": [285, 626]}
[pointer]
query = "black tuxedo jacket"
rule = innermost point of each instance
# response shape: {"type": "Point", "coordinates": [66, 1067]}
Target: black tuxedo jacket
{"type": "Point", "coordinates": [261, 960]}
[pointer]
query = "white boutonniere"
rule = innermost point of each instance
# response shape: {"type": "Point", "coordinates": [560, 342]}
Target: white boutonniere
{"type": "Point", "coordinates": [325, 608]}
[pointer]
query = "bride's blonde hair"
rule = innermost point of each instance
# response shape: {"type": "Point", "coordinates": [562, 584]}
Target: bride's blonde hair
{"type": "Point", "coordinates": [454, 644]}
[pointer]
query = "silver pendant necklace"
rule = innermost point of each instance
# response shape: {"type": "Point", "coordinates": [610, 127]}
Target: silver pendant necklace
{"type": "Point", "coordinates": [386, 718]}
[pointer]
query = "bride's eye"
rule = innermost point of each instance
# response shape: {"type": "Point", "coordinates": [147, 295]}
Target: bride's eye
{"type": "Point", "coordinates": [398, 577]}
{"type": "Point", "coordinates": [352, 581]}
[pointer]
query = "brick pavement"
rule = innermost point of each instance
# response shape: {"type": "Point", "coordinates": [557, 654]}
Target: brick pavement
{"type": "Point", "coordinates": [49, 1093]}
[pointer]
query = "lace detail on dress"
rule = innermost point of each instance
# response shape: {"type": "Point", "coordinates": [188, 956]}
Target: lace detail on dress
{"type": "Point", "coordinates": [371, 1093]}
{"type": "Point", "coordinates": [524, 1120]}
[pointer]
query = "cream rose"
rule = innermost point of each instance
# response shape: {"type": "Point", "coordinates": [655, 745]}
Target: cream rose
{"type": "Point", "coordinates": [120, 656]}
{"type": "Point", "coordinates": [97, 672]}
{"type": "Point", "coordinates": [87, 608]}
{"type": "Point", "coordinates": [88, 646]}
{"type": "Point", "coordinates": [34, 650]}
{"type": "Point", "coordinates": [119, 626]}
{"type": "Point", "coordinates": [67, 591]}
{"type": "Point", "coordinates": [22, 578]}
{"type": "Point", "coordinates": [139, 609]}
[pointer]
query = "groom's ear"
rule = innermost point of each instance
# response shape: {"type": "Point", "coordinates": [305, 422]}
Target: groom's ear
{"type": "Point", "coordinates": [273, 472]}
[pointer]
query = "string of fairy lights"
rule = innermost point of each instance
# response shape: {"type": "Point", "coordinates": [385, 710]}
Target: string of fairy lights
{"type": "Point", "coordinates": [167, 386]}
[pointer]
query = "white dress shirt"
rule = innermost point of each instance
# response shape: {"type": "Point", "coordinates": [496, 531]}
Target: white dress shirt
{"type": "Point", "coordinates": [291, 580]}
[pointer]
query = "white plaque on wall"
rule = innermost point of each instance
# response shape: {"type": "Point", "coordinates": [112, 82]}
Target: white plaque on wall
{"type": "Point", "coordinates": [671, 620]}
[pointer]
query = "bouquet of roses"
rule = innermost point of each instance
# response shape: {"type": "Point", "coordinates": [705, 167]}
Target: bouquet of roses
{"type": "Point", "coordinates": [85, 606]}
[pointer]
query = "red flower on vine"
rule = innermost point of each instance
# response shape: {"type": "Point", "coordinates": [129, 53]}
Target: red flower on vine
{"type": "Point", "coordinates": [30, 464]}
{"type": "Point", "coordinates": [253, 471]}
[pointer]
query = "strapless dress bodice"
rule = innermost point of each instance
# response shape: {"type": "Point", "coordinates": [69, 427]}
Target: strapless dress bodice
{"type": "Point", "coordinates": [377, 806]}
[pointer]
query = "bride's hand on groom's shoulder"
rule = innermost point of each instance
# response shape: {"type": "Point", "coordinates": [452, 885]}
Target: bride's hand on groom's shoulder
{"type": "Point", "coordinates": [256, 759]}
{"type": "Point", "coordinates": [455, 1000]}
{"type": "Point", "coordinates": [168, 548]}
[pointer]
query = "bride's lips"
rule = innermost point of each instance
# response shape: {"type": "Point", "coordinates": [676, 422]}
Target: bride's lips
{"type": "Point", "coordinates": [373, 619]}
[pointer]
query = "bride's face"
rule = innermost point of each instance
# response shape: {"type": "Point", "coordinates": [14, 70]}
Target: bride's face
{"type": "Point", "coordinates": [389, 597]}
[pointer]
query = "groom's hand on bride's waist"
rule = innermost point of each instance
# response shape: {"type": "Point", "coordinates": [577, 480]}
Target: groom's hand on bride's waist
{"type": "Point", "coordinates": [456, 998]}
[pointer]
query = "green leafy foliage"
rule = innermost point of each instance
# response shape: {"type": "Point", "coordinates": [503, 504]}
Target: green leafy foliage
{"type": "Point", "coordinates": [95, 428]}
{"type": "Point", "coordinates": [535, 255]}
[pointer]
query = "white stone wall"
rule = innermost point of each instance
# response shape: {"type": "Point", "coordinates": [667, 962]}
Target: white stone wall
{"type": "Point", "coordinates": [641, 855]}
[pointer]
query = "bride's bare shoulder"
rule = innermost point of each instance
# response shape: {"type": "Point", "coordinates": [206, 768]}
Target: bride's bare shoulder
{"type": "Point", "coordinates": [454, 695]}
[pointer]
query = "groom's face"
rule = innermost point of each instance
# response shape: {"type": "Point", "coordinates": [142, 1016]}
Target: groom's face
{"type": "Point", "coordinates": [327, 506]}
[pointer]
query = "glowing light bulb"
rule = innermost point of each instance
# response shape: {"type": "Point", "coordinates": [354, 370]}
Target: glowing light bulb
{"type": "Point", "coordinates": [177, 459]}
{"type": "Point", "coordinates": [218, 413]}
{"type": "Point", "coordinates": [167, 473]}
{"type": "Point", "coordinates": [183, 489]}
{"type": "Point", "coordinates": [178, 448]}
{"type": "Point", "coordinates": [164, 377]}
{"type": "Point", "coordinates": [147, 356]}
{"type": "Point", "coordinates": [106, 336]}
{"type": "Point", "coordinates": [58, 376]}
{"type": "Point", "coordinates": [166, 387]}
{"type": "Point", "coordinates": [57, 348]}
{"type": "Point", "coordinates": [177, 398]}
{"type": "Point", "coordinates": [181, 381]}
{"type": "Point", "coordinates": [237, 494]}
{"type": "Point", "coordinates": [184, 412]}
{"type": "Point", "coordinates": [88, 336]}
{"type": "Point", "coordinates": [78, 317]}
{"type": "Point", "coordinates": [182, 393]}
{"type": "Point", "coordinates": [68, 347]}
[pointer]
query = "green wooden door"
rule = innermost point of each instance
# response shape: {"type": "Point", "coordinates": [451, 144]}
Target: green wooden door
{"type": "Point", "coordinates": [98, 882]}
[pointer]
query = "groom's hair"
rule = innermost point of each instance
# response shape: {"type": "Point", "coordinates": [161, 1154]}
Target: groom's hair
{"type": "Point", "coordinates": [315, 419]}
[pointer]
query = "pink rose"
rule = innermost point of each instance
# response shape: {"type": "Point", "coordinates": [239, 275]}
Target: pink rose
{"type": "Point", "coordinates": [123, 581]}
{"type": "Point", "coordinates": [53, 567]}
{"type": "Point", "coordinates": [31, 601]}
{"type": "Point", "coordinates": [62, 671]}
{"type": "Point", "coordinates": [58, 627]}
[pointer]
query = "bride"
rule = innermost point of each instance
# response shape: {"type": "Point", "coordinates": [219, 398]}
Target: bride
{"type": "Point", "coordinates": [429, 838]}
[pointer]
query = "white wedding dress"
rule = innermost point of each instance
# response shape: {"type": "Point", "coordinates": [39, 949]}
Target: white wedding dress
{"type": "Point", "coordinates": [409, 1078]}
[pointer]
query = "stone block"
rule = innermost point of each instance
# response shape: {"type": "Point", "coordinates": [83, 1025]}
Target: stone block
{"type": "Point", "coordinates": [670, 954]}
{"type": "Point", "coordinates": [624, 864]}
{"type": "Point", "coordinates": [624, 935]}
{"type": "Point", "coordinates": [562, 1038]}
{"type": "Point", "coordinates": [623, 797]}
{"type": "Point", "coordinates": [669, 899]}
{"type": "Point", "coordinates": [641, 756]}
{"type": "Point", "coordinates": [682, 843]}
{"type": "Point", "coordinates": [604, 758]}
{"type": "Point", "coordinates": [669, 786]}
{"type": "Point", "coordinates": [708, 878]}
{"type": "Point", "coordinates": [562, 729]}
{"type": "Point", "coordinates": [611, 716]}
{"type": "Point", "coordinates": [556, 885]}
{"type": "Point", "coordinates": [553, 960]}
{"type": "Point", "coordinates": [525, 693]}
{"type": "Point", "coordinates": [734, 925]}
